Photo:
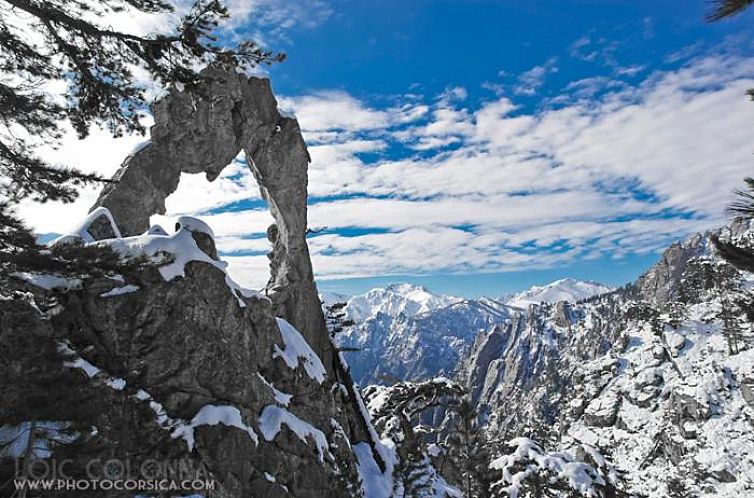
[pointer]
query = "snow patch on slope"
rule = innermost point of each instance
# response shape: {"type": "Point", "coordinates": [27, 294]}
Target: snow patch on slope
{"type": "Point", "coordinates": [226, 415]}
{"type": "Point", "coordinates": [297, 348]}
{"type": "Point", "coordinates": [272, 419]}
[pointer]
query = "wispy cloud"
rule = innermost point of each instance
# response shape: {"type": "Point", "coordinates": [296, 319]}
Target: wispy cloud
{"type": "Point", "coordinates": [530, 81]}
{"type": "Point", "coordinates": [444, 184]}
{"type": "Point", "coordinates": [339, 111]}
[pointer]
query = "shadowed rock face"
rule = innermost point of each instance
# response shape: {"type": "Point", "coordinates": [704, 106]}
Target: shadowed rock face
{"type": "Point", "coordinates": [179, 348]}
{"type": "Point", "coordinates": [201, 130]}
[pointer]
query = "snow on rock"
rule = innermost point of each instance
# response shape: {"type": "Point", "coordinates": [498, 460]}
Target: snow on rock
{"type": "Point", "coordinates": [682, 416]}
{"type": "Point", "coordinates": [296, 348]}
{"type": "Point", "coordinates": [50, 282]}
{"type": "Point", "coordinates": [566, 289]}
{"type": "Point", "coordinates": [212, 415]}
{"type": "Point", "coordinates": [281, 397]}
{"type": "Point", "coordinates": [385, 448]}
{"type": "Point", "coordinates": [274, 417]}
{"type": "Point", "coordinates": [181, 246]}
{"type": "Point", "coordinates": [97, 225]}
{"type": "Point", "coordinates": [141, 145]}
{"type": "Point", "coordinates": [156, 230]}
{"type": "Point", "coordinates": [173, 251]}
{"type": "Point", "coordinates": [673, 339]}
{"type": "Point", "coordinates": [77, 362]}
{"type": "Point", "coordinates": [374, 483]}
{"type": "Point", "coordinates": [194, 225]}
{"type": "Point", "coordinates": [179, 249]}
{"type": "Point", "coordinates": [397, 299]}
{"type": "Point", "coordinates": [116, 383]}
{"type": "Point", "coordinates": [118, 291]}
{"type": "Point", "coordinates": [161, 416]}
{"type": "Point", "coordinates": [177, 426]}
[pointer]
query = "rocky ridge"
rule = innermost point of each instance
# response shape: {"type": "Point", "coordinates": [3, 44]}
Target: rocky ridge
{"type": "Point", "coordinates": [647, 373]}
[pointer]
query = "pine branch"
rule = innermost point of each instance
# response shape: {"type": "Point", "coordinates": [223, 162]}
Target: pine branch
{"type": "Point", "coordinates": [743, 207]}
{"type": "Point", "coordinates": [739, 257]}
{"type": "Point", "coordinates": [727, 8]}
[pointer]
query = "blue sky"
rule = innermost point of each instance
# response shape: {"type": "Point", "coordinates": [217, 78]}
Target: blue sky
{"type": "Point", "coordinates": [481, 147]}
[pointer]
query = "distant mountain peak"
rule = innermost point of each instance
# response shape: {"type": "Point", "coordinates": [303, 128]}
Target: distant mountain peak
{"type": "Point", "coordinates": [396, 299]}
{"type": "Point", "coordinates": [564, 289]}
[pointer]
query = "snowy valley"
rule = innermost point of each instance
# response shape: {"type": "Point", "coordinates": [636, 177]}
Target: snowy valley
{"type": "Point", "coordinates": [657, 377]}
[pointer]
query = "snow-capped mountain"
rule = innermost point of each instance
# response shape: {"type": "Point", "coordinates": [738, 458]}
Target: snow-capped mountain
{"type": "Point", "coordinates": [394, 300]}
{"type": "Point", "coordinates": [421, 345]}
{"type": "Point", "coordinates": [565, 289]}
{"type": "Point", "coordinates": [659, 374]}
{"type": "Point", "coordinates": [406, 332]}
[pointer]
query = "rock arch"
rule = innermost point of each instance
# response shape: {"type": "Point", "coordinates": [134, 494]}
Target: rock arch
{"type": "Point", "coordinates": [201, 130]}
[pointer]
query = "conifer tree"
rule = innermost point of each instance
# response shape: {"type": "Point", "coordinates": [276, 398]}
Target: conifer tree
{"type": "Point", "coordinates": [727, 8]}
{"type": "Point", "coordinates": [467, 451]}
{"type": "Point", "coordinates": [397, 417]}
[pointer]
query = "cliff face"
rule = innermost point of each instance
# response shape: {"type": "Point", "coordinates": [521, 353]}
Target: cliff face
{"type": "Point", "coordinates": [172, 361]}
{"type": "Point", "coordinates": [417, 347]}
{"type": "Point", "coordinates": [192, 369]}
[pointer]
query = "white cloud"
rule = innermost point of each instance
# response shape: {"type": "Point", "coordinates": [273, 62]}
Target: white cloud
{"type": "Point", "coordinates": [337, 110]}
{"type": "Point", "coordinates": [612, 169]}
{"type": "Point", "coordinates": [530, 81]}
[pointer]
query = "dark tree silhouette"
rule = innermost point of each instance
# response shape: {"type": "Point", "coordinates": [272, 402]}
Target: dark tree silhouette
{"type": "Point", "coordinates": [740, 257]}
{"type": "Point", "coordinates": [742, 209]}
{"type": "Point", "coordinates": [727, 8]}
{"type": "Point", "coordinates": [468, 451]}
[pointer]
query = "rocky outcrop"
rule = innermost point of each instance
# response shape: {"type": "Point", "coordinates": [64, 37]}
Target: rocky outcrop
{"type": "Point", "coordinates": [660, 284]}
{"type": "Point", "coordinates": [172, 360]}
{"type": "Point", "coordinates": [201, 129]}
{"type": "Point", "coordinates": [178, 363]}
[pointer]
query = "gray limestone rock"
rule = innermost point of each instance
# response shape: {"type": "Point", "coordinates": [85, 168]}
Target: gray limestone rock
{"type": "Point", "coordinates": [747, 391]}
{"type": "Point", "coordinates": [660, 284]}
{"type": "Point", "coordinates": [193, 343]}
{"type": "Point", "coordinates": [689, 408]}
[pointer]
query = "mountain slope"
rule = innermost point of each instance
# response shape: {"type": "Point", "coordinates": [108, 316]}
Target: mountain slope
{"type": "Point", "coordinates": [175, 362]}
{"type": "Point", "coordinates": [654, 374]}
{"type": "Point", "coordinates": [417, 347]}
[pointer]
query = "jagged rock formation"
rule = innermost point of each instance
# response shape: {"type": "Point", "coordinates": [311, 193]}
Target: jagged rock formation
{"type": "Point", "coordinates": [652, 373]}
{"type": "Point", "coordinates": [405, 332]}
{"type": "Point", "coordinates": [173, 361]}
{"type": "Point", "coordinates": [184, 364]}
{"type": "Point", "coordinates": [201, 130]}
